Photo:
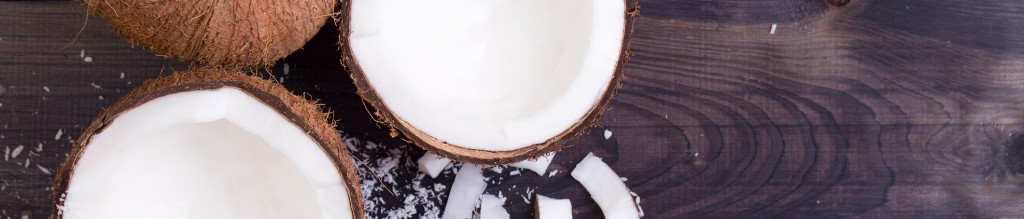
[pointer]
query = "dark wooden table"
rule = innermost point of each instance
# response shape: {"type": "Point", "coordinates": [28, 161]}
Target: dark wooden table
{"type": "Point", "coordinates": [875, 109]}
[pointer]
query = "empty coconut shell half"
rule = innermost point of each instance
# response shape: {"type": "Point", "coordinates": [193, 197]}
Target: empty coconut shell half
{"type": "Point", "coordinates": [488, 82]}
{"type": "Point", "coordinates": [228, 33]}
{"type": "Point", "coordinates": [209, 144]}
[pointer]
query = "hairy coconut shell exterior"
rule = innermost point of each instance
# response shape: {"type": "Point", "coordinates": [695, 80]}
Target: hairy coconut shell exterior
{"type": "Point", "coordinates": [304, 113]}
{"type": "Point", "coordinates": [229, 33]}
{"type": "Point", "coordinates": [386, 117]}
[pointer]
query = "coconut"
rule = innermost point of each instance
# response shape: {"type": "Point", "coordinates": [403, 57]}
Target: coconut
{"type": "Point", "coordinates": [465, 193]}
{"type": "Point", "coordinates": [209, 144]}
{"type": "Point", "coordinates": [606, 188]}
{"type": "Point", "coordinates": [549, 208]}
{"type": "Point", "coordinates": [217, 33]}
{"type": "Point", "coordinates": [488, 82]}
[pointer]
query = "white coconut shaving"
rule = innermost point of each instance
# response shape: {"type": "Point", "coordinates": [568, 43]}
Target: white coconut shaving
{"type": "Point", "coordinates": [465, 194]}
{"type": "Point", "coordinates": [492, 207]}
{"type": "Point", "coordinates": [17, 151]}
{"type": "Point", "coordinates": [60, 132]}
{"type": "Point", "coordinates": [387, 172]}
{"type": "Point", "coordinates": [43, 169]}
{"type": "Point", "coordinates": [431, 164]}
{"type": "Point", "coordinates": [607, 189]}
{"type": "Point", "coordinates": [607, 134]}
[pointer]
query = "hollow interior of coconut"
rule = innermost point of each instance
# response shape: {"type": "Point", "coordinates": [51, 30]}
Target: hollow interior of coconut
{"type": "Point", "coordinates": [493, 75]}
{"type": "Point", "coordinates": [204, 154]}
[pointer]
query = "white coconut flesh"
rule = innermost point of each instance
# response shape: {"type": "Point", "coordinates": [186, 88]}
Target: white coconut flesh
{"type": "Point", "coordinates": [607, 189]}
{"type": "Point", "coordinates": [549, 208]}
{"type": "Point", "coordinates": [539, 166]}
{"type": "Point", "coordinates": [492, 75]}
{"type": "Point", "coordinates": [465, 193]}
{"type": "Point", "coordinates": [432, 165]}
{"type": "Point", "coordinates": [204, 154]}
{"type": "Point", "coordinates": [492, 207]}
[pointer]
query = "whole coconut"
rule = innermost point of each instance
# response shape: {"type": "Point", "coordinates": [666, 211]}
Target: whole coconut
{"type": "Point", "coordinates": [227, 33]}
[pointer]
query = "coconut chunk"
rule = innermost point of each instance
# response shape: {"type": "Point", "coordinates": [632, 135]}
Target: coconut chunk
{"type": "Point", "coordinates": [465, 193]}
{"type": "Point", "coordinates": [539, 166]}
{"type": "Point", "coordinates": [492, 207]}
{"type": "Point", "coordinates": [549, 208]}
{"type": "Point", "coordinates": [606, 188]}
{"type": "Point", "coordinates": [432, 165]}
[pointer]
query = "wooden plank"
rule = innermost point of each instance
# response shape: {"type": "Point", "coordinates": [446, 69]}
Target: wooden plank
{"type": "Point", "coordinates": [876, 109]}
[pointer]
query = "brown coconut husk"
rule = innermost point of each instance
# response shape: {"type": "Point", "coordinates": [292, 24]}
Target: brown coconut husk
{"type": "Point", "coordinates": [304, 113]}
{"type": "Point", "coordinates": [386, 117]}
{"type": "Point", "coordinates": [227, 33]}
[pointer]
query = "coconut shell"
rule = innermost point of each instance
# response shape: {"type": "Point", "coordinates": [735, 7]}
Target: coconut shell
{"type": "Point", "coordinates": [230, 33]}
{"type": "Point", "coordinates": [397, 126]}
{"type": "Point", "coordinates": [304, 113]}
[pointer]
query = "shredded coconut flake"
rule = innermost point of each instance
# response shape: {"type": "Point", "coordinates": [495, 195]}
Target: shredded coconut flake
{"type": "Point", "coordinates": [60, 132]}
{"type": "Point", "coordinates": [41, 168]}
{"type": "Point", "coordinates": [607, 134]}
{"type": "Point", "coordinates": [388, 172]}
{"type": "Point", "coordinates": [17, 151]}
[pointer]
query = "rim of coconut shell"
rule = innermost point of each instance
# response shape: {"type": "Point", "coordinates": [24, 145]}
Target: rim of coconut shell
{"type": "Point", "coordinates": [196, 48]}
{"type": "Point", "coordinates": [385, 116]}
{"type": "Point", "coordinates": [304, 113]}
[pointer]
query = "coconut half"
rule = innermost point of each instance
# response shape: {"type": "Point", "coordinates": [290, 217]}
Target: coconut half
{"type": "Point", "coordinates": [209, 144]}
{"type": "Point", "coordinates": [218, 33]}
{"type": "Point", "coordinates": [493, 81]}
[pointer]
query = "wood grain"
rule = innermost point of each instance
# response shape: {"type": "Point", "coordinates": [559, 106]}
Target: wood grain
{"type": "Point", "coordinates": [874, 109]}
